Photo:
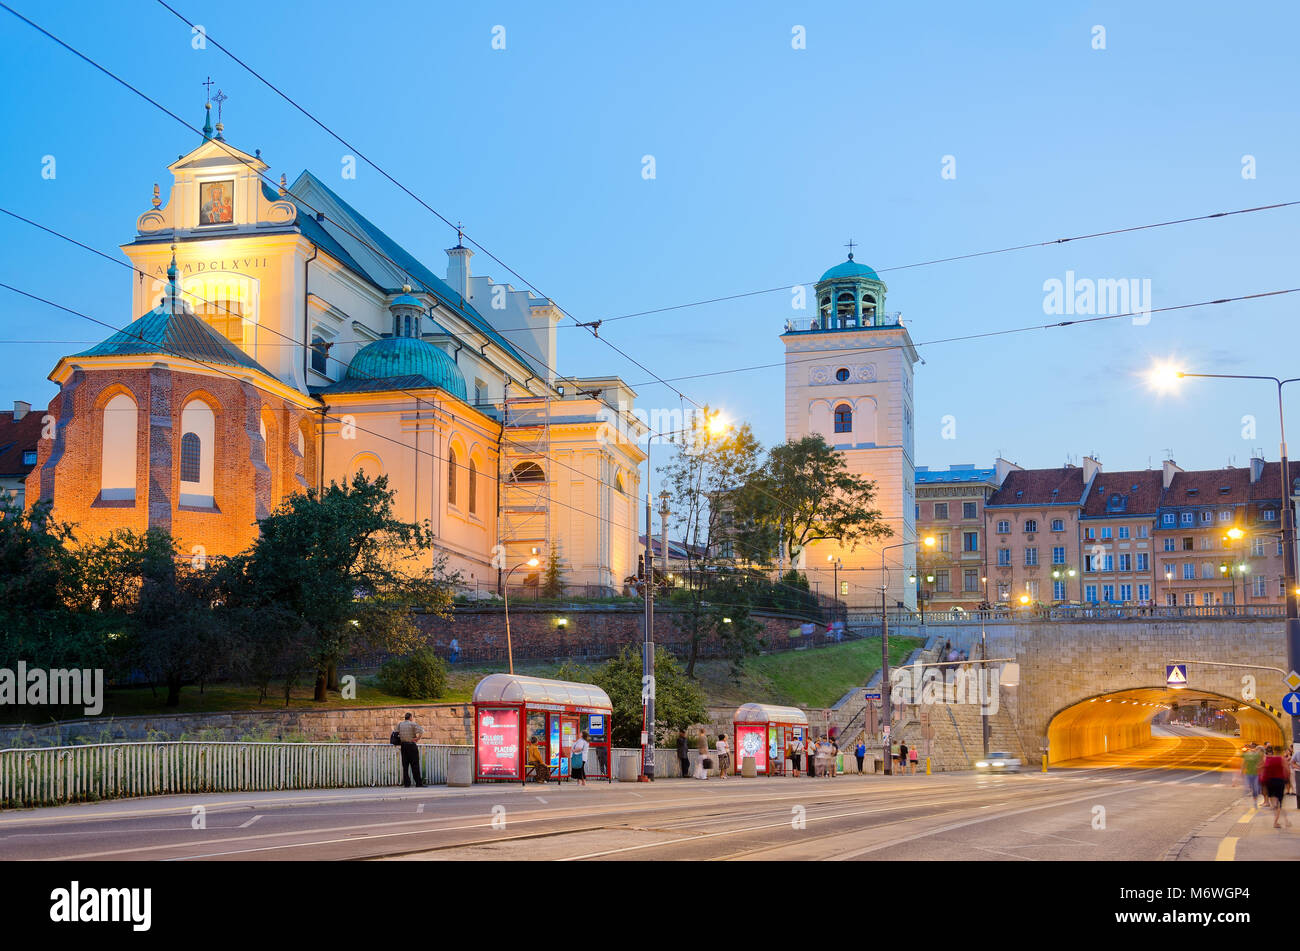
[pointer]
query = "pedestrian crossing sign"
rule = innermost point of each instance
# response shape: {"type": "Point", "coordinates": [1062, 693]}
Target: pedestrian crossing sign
{"type": "Point", "coordinates": [1176, 675]}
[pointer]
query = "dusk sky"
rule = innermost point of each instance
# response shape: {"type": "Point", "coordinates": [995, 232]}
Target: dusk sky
{"type": "Point", "coordinates": [767, 160]}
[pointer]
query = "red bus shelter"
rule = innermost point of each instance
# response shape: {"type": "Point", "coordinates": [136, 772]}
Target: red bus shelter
{"type": "Point", "coordinates": [510, 709]}
{"type": "Point", "coordinates": [763, 731]}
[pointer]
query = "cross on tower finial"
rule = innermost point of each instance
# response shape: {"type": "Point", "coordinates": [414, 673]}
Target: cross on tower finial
{"type": "Point", "coordinates": [851, 245]}
{"type": "Point", "coordinates": [219, 98]}
{"type": "Point", "coordinates": [207, 84]}
{"type": "Point", "coordinates": [460, 234]}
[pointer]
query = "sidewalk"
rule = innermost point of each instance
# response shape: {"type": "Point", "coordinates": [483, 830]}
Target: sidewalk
{"type": "Point", "coordinates": [1244, 833]}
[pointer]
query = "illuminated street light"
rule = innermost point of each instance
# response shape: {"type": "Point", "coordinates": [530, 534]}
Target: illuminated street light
{"type": "Point", "coordinates": [1164, 376]}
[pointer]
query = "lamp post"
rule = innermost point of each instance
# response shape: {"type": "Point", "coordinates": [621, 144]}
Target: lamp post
{"type": "Point", "coordinates": [505, 593]}
{"type": "Point", "coordinates": [714, 425]}
{"type": "Point", "coordinates": [836, 565]}
{"type": "Point", "coordinates": [1163, 375]}
{"type": "Point", "coordinates": [886, 713]}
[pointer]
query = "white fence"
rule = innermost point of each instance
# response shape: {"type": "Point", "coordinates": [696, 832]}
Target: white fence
{"type": "Point", "coordinates": [61, 774]}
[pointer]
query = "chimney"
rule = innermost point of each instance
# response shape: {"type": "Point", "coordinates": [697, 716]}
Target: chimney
{"type": "Point", "coordinates": [1000, 469]}
{"type": "Point", "coordinates": [21, 409]}
{"type": "Point", "coordinates": [458, 269]}
{"type": "Point", "coordinates": [1170, 470]}
{"type": "Point", "coordinates": [1256, 469]}
{"type": "Point", "coordinates": [1090, 468]}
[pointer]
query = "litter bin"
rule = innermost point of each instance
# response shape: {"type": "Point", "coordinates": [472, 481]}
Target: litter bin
{"type": "Point", "coordinates": [460, 767]}
{"type": "Point", "coordinates": [627, 765]}
{"type": "Point", "coordinates": [749, 767]}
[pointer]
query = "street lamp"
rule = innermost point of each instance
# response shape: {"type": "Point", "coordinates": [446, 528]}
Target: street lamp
{"type": "Point", "coordinates": [886, 712]}
{"type": "Point", "coordinates": [836, 565]}
{"type": "Point", "coordinates": [505, 593]}
{"type": "Point", "coordinates": [714, 425]}
{"type": "Point", "coordinates": [1164, 376]}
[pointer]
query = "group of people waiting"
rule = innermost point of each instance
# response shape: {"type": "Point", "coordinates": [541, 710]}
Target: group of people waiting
{"type": "Point", "coordinates": [1267, 770]}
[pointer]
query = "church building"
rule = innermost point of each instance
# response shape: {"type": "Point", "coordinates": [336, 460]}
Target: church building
{"type": "Point", "coordinates": [848, 377]}
{"type": "Point", "coordinates": [283, 342]}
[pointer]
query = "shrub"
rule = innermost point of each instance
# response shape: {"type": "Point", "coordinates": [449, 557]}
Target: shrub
{"type": "Point", "coordinates": [421, 675]}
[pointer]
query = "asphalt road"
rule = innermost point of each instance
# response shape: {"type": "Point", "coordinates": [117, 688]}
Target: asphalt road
{"type": "Point", "coordinates": [1137, 805]}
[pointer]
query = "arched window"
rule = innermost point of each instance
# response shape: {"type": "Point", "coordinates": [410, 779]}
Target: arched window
{"type": "Point", "coordinates": [117, 455]}
{"type": "Point", "coordinates": [451, 476]}
{"type": "Point", "coordinates": [844, 307]}
{"type": "Point", "coordinates": [528, 472]}
{"type": "Point", "coordinates": [868, 307]}
{"type": "Point", "coordinates": [198, 438]}
{"type": "Point", "coordinates": [369, 464]}
{"type": "Point", "coordinates": [843, 418]}
{"type": "Point", "coordinates": [473, 487]}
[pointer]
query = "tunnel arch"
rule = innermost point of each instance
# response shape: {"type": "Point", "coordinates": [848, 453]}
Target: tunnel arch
{"type": "Point", "coordinates": [1115, 720]}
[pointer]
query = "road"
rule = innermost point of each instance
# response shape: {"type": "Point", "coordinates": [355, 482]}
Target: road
{"type": "Point", "coordinates": [1104, 812]}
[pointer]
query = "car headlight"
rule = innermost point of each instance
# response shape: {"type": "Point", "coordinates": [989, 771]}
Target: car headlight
{"type": "Point", "coordinates": [998, 765]}
{"type": "Point", "coordinates": [981, 765]}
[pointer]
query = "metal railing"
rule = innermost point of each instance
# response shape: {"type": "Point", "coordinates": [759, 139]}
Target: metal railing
{"type": "Point", "coordinates": [1079, 612]}
{"type": "Point", "coordinates": [64, 774]}
{"type": "Point", "coordinates": [834, 322]}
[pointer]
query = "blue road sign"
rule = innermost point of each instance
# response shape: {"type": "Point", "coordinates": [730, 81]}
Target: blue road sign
{"type": "Point", "coordinates": [1175, 675]}
{"type": "Point", "coordinates": [1291, 703]}
{"type": "Point", "coordinates": [872, 695]}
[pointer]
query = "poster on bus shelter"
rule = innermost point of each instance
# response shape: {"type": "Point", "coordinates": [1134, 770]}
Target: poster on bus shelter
{"type": "Point", "coordinates": [497, 742]}
{"type": "Point", "coordinates": [751, 740]}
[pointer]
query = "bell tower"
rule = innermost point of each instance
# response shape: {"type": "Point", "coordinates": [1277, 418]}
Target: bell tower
{"type": "Point", "coordinates": [848, 378]}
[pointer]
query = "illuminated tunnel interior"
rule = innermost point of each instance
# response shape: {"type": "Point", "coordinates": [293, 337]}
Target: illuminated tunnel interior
{"type": "Point", "coordinates": [1115, 729]}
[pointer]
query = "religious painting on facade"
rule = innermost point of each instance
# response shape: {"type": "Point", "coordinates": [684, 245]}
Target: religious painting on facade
{"type": "Point", "coordinates": [216, 203]}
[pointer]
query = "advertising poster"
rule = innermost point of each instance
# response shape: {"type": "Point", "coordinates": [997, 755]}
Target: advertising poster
{"type": "Point", "coordinates": [751, 740]}
{"type": "Point", "coordinates": [497, 743]}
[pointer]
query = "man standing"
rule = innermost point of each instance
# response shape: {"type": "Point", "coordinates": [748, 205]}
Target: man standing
{"type": "Point", "coordinates": [1250, 760]}
{"type": "Point", "coordinates": [409, 732]}
{"type": "Point", "coordinates": [454, 649]}
{"type": "Point", "coordinates": [683, 753]}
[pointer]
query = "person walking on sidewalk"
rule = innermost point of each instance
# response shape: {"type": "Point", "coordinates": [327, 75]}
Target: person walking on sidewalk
{"type": "Point", "coordinates": [683, 753]}
{"type": "Point", "coordinates": [1250, 760]}
{"type": "Point", "coordinates": [1273, 774]}
{"type": "Point", "coordinates": [409, 732]}
{"type": "Point", "coordinates": [724, 756]}
{"type": "Point", "coordinates": [912, 758]}
{"type": "Point", "coordinates": [860, 751]}
{"type": "Point", "coordinates": [794, 753]}
{"type": "Point", "coordinates": [702, 744]}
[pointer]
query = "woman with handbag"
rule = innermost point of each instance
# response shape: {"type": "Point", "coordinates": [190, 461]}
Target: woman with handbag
{"type": "Point", "coordinates": [578, 759]}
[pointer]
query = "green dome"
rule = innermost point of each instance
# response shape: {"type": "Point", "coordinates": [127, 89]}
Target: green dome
{"type": "Point", "coordinates": [403, 357]}
{"type": "Point", "coordinates": [850, 269]}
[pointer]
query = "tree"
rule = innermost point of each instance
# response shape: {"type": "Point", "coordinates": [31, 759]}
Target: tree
{"type": "Point", "coordinates": [553, 577]}
{"type": "Point", "coordinates": [702, 478]}
{"type": "Point", "coordinates": [804, 492]}
{"type": "Point", "coordinates": [678, 701]}
{"type": "Point", "coordinates": [338, 572]}
{"type": "Point", "coordinates": [728, 619]}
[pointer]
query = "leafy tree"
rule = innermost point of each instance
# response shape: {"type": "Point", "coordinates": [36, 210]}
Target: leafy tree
{"type": "Point", "coordinates": [340, 572]}
{"type": "Point", "coordinates": [804, 493]}
{"type": "Point", "coordinates": [421, 675]}
{"type": "Point", "coordinates": [553, 577]}
{"type": "Point", "coordinates": [727, 618]}
{"type": "Point", "coordinates": [678, 701]}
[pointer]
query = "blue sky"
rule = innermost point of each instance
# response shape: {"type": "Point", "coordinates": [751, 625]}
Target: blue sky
{"type": "Point", "coordinates": [768, 159]}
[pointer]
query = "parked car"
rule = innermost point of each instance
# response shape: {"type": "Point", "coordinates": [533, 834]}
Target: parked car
{"type": "Point", "coordinates": [998, 763]}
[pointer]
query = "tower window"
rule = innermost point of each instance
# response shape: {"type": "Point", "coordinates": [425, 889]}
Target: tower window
{"type": "Point", "coordinates": [319, 358]}
{"type": "Point", "coordinates": [842, 375]}
{"type": "Point", "coordinates": [451, 476]}
{"type": "Point", "coordinates": [528, 472]}
{"type": "Point", "coordinates": [843, 418]}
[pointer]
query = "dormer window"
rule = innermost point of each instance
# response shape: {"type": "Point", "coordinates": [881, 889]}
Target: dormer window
{"type": "Point", "coordinates": [1193, 491]}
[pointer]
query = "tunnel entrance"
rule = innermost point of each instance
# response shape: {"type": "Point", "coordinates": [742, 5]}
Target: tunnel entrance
{"type": "Point", "coordinates": [1115, 729]}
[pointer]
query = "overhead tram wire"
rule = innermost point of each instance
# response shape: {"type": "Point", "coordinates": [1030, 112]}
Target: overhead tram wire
{"type": "Point", "coordinates": [131, 267]}
{"type": "Point", "coordinates": [337, 419]}
{"type": "Point", "coordinates": [991, 333]}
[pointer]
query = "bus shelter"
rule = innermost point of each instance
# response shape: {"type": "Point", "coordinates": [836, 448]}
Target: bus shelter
{"type": "Point", "coordinates": [763, 731]}
{"type": "Point", "coordinates": [509, 710]}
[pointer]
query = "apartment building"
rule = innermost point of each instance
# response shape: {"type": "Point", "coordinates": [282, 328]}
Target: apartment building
{"type": "Point", "coordinates": [950, 508]}
{"type": "Point", "coordinates": [1117, 563]}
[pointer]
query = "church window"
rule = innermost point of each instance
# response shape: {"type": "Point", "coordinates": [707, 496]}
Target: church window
{"type": "Point", "coordinates": [842, 375]}
{"type": "Point", "coordinates": [473, 487]}
{"type": "Point", "coordinates": [319, 355]}
{"type": "Point", "coordinates": [451, 476]}
{"type": "Point", "coordinates": [117, 468]}
{"type": "Point", "coordinates": [843, 418]}
{"type": "Point", "coordinates": [198, 436]}
{"type": "Point", "coordinates": [528, 472]}
{"type": "Point", "coordinates": [868, 307]}
{"type": "Point", "coordinates": [224, 314]}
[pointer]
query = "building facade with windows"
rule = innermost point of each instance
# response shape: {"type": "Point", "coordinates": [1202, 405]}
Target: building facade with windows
{"type": "Point", "coordinates": [285, 342]}
{"type": "Point", "coordinates": [1032, 524]}
{"type": "Point", "coordinates": [950, 508]}
{"type": "Point", "coordinates": [20, 431]}
{"type": "Point", "coordinates": [1117, 562]}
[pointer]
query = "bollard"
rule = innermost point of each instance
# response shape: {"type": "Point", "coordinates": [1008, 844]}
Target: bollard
{"type": "Point", "coordinates": [927, 766]}
{"type": "Point", "coordinates": [1044, 762]}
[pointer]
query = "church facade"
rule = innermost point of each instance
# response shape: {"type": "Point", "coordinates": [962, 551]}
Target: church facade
{"type": "Point", "coordinates": [285, 342]}
{"type": "Point", "coordinates": [849, 378]}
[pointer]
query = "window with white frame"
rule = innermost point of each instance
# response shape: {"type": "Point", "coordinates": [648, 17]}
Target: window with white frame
{"type": "Point", "coordinates": [1259, 586]}
{"type": "Point", "coordinates": [1031, 526]}
{"type": "Point", "coordinates": [1108, 592]}
{"type": "Point", "coordinates": [1144, 531]}
{"type": "Point", "coordinates": [1207, 518]}
{"type": "Point", "coordinates": [1189, 571]}
{"type": "Point", "coordinates": [1171, 544]}
{"type": "Point", "coordinates": [1189, 599]}
{"type": "Point", "coordinates": [1207, 570]}
{"type": "Point", "coordinates": [1031, 557]}
{"type": "Point", "coordinates": [1270, 515]}
{"type": "Point", "coordinates": [970, 579]}
{"type": "Point", "coordinates": [1188, 518]}
{"type": "Point", "coordinates": [1171, 599]}
{"type": "Point", "coordinates": [1058, 524]}
{"type": "Point", "coordinates": [1207, 598]}
{"type": "Point", "coordinates": [1125, 561]}
{"type": "Point", "coordinates": [1257, 547]}
{"type": "Point", "coordinates": [1144, 592]}
{"type": "Point", "coordinates": [1090, 593]}
{"type": "Point", "coordinates": [1122, 531]}
{"type": "Point", "coordinates": [1004, 556]}
{"type": "Point", "coordinates": [1058, 554]}
{"type": "Point", "coordinates": [1058, 590]}
{"type": "Point", "coordinates": [1168, 518]}
{"type": "Point", "coordinates": [1225, 516]}
{"type": "Point", "coordinates": [940, 511]}
{"type": "Point", "coordinates": [1105, 531]}
{"type": "Point", "coordinates": [969, 510]}
{"type": "Point", "coordinates": [1031, 589]}
{"type": "Point", "coordinates": [1143, 561]}
{"type": "Point", "coordinates": [1126, 592]}
{"type": "Point", "coordinates": [1108, 563]}
{"type": "Point", "coordinates": [1004, 527]}
{"type": "Point", "coordinates": [1090, 533]}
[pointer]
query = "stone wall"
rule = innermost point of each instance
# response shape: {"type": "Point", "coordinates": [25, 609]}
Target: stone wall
{"type": "Point", "coordinates": [444, 723]}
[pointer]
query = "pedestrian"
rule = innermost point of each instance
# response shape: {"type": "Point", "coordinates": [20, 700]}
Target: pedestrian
{"type": "Point", "coordinates": [1272, 772]}
{"type": "Point", "coordinates": [1250, 760]}
{"type": "Point", "coordinates": [578, 759]}
{"type": "Point", "coordinates": [702, 744]}
{"type": "Point", "coordinates": [810, 755]}
{"type": "Point", "coordinates": [724, 756]}
{"type": "Point", "coordinates": [912, 758]}
{"type": "Point", "coordinates": [683, 754]}
{"type": "Point", "coordinates": [794, 754]}
{"type": "Point", "coordinates": [860, 751]}
{"type": "Point", "coordinates": [902, 758]}
{"type": "Point", "coordinates": [835, 759]}
{"type": "Point", "coordinates": [454, 647]}
{"type": "Point", "coordinates": [409, 733]}
{"type": "Point", "coordinates": [536, 762]}
{"type": "Point", "coordinates": [893, 753]}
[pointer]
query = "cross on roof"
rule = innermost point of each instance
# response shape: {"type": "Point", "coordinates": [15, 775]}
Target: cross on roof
{"type": "Point", "coordinates": [219, 98]}
{"type": "Point", "coordinates": [207, 84]}
{"type": "Point", "coordinates": [851, 245]}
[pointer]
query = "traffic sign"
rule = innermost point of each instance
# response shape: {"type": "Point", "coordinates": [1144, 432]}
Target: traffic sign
{"type": "Point", "coordinates": [871, 695]}
{"type": "Point", "coordinates": [1176, 675]}
{"type": "Point", "coordinates": [1292, 681]}
{"type": "Point", "coordinates": [1291, 703]}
